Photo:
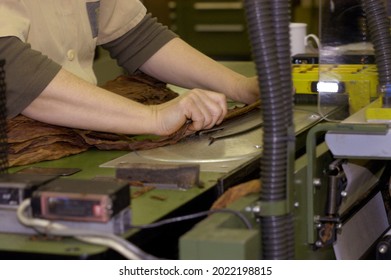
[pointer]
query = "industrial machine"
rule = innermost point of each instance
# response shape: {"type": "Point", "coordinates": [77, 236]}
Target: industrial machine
{"type": "Point", "coordinates": [324, 167]}
{"type": "Point", "coordinates": [333, 201]}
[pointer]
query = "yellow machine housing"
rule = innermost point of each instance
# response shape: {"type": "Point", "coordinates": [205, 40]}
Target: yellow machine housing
{"type": "Point", "coordinates": [358, 81]}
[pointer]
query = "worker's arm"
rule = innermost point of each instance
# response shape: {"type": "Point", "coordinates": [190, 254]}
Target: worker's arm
{"type": "Point", "coordinates": [157, 51]}
{"type": "Point", "coordinates": [180, 64]}
{"type": "Point", "coordinates": [39, 88]}
{"type": "Point", "coordinates": [72, 102]}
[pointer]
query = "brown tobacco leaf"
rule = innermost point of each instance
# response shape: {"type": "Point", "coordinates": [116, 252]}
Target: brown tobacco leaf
{"type": "Point", "coordinates": [141, 88]}
{"type": "Point", "coordinates": [236, 192]}
{"type": "Point", "coordinates": [141, 190]}
{"type": "Point", "coordinates": [239, 111]}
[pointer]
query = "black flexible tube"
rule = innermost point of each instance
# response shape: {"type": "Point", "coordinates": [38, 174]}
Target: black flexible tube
{"type": "Point", "coordinates": [273, 104]}
{"type": "Point", "coordinates": [3, 118]}
{"type": "Point", "coordinates": [281, 17]}
{"type": "Point", "coordinates": [379, 32]}
{"type": "Point", "coordinates": [268, 26]}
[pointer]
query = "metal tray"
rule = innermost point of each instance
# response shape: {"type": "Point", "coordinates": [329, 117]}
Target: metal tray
{"type": "Point", "coordinates": [223, 155]}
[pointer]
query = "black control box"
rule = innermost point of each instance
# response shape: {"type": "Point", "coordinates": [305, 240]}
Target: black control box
{"type": "Point", "coordinates": [14, 188]}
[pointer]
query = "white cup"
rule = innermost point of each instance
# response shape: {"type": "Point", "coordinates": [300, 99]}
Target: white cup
{"type": "Point", "coordinates": [299, 38]}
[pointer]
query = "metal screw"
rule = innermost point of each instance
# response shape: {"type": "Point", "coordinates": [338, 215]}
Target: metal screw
{"type": "Point", "coordinates": [296, 204]}
{"type": "Point", "coordinates": [383, 249]}
{"type": "Point", "coordinates": [318, 225]}
{"type": "Point", "coordinates": [339, 226]}
{"type": "Point", "coordinates": [257, 209]}
{"type": "Point", "coordinates": [317, 182]}
{"type": "Point", "coordinates": [253, 209]}
{"type": "Point", "coordinates": [319, 243]}
{"type": "Point", "coordinates": [344, 193]}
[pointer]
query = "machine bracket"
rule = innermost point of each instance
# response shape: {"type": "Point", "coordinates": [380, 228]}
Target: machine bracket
{"type": "Point", "coordinates": [327, 229]}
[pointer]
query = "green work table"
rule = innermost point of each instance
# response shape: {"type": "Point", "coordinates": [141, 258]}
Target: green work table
{"type": "Point", "coordinates": [145, 209]}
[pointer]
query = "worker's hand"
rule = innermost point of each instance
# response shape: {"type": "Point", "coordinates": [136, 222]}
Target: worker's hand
{"type": "Point", "coordinates": [204, 109]}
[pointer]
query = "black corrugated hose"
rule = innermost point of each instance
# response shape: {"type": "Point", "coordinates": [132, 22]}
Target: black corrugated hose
{"type": "Point", "coordinates": [379, 32]}
{"type": "Point", "coordinates": [268, 26]}
{"type": "Point", "coordinates": [3, 124]}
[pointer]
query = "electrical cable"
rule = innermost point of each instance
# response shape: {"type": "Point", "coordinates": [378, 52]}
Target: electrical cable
{"type": "Point", "coordinates": [122, 246]}
{"type": "Point", "coordinates": [194, 216]}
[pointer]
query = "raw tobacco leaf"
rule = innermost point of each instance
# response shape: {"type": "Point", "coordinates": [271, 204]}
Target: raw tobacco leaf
{"type": "Point", "coordinates": [236, 192]}
{"type": "Point", "coordinates": [31, 141]}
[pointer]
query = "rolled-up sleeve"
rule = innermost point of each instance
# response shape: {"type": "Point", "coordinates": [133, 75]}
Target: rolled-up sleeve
{"type": "Point", "coordinates": [27, 73]}
{"type": "Point", "coordinates": [138, 45]}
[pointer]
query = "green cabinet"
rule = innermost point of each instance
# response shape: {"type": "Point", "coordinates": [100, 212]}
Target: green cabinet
{"type": "Point", "coordinates": [215, 27]}
{"type": "Point", "coordinates": [218, 28]}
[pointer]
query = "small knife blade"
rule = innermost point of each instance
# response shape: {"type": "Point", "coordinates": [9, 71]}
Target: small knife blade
{"type": "Point", "coordinates": [212, 139]}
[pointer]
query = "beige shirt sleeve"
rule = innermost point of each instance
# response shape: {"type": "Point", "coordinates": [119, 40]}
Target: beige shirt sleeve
{"type": "Point", "coordinates": [14, 20]}
{"type": "Point", "coordinates": [65, 30]}
{"type": "Point", "coordinates": [118, 17]}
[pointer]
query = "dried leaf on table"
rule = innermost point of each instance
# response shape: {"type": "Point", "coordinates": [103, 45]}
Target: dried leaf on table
{"type": "Point", "coordinates": [236, 192]}
{"type": "Point", "coordinates": [141, 190]}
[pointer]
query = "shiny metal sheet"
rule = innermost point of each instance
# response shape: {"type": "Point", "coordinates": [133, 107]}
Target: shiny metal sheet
{"type": "Point", "coordinates": [362, 230]}
{"type": "Point", "coordinates": [223, 155]}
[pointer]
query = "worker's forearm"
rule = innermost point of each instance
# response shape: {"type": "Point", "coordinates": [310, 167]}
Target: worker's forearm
{"type": "Point", "coordinates": [180, 64]}
{"type": "Point", "coordinates": [72, 102]}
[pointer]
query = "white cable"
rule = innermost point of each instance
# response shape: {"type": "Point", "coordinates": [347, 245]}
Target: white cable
{"type": "Point", "coordinates": [122, 246]}
{"type": "Point", "coordinates": [111, 244]}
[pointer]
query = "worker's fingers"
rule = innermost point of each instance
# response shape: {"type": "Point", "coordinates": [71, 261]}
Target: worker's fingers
{"type": "Point", "coordinates": [204, 108]}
